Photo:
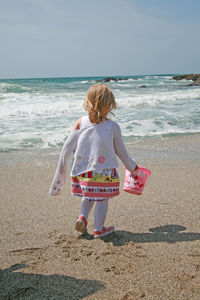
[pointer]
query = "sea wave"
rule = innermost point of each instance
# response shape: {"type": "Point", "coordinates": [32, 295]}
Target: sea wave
{"type": "Point", "coordinates": [57, 104]}
{"type": "Point", "coordinates": [13, 88]}
{"type": "Point", "coordinates": [39, 113]}
{"type": "Point", "coordinates": [154, 127]}
{"type": "Point", "coordinates": [153, 99]}
{"type": "Point", "coordinates": [41, 105]}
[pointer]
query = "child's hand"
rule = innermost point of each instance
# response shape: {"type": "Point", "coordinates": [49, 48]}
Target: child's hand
{"type": "Point", "coordinates": [133, 172]}
{"type": "Point", "coordinates": [55, 191]}
{"type": "Point", "coordinates": [136, 168]}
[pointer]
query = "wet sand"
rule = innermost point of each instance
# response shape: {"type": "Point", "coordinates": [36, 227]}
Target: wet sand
{"type": "Point", "coordinates": [153, 254]}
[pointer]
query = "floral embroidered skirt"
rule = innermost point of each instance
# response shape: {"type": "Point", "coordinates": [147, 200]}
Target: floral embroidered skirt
{"type": "Point", "coordinates": [96, 185]}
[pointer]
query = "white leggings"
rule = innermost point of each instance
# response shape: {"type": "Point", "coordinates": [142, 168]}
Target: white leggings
{"type": "Point", "coordinates": [100, 211]}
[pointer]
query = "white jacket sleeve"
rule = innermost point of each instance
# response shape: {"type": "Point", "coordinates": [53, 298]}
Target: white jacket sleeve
{"type": "Point", "coordinates": [121, 151]}
{"type": "Point", "coordinates": [61, 171]}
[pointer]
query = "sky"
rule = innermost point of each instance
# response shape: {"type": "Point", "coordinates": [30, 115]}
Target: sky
{"type": "Point", "coordinates": [74, 38]}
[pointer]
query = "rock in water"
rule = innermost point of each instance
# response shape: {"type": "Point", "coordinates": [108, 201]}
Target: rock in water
{"type": "Point", "coordinates": [194, 77]}
{"type": "Point", "coordinates": [108, 79]}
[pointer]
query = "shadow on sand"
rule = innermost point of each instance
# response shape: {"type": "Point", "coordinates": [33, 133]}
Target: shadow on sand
{"type": "Point", "coordinates": [17, 285]}
{"type": "Point", "coordinates": [167, 233]}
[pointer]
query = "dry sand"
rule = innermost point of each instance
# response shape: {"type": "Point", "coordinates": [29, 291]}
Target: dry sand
{"type": "Point", "coordinates": [153, 254]}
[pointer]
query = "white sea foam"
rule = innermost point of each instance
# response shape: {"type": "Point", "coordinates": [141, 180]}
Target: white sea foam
{"type": "Point", "coordinates": [150, 127]}
{"type": "Point", "coordinates": [36, 105]}
{"type": "Point", "coordinates": [152, 99]}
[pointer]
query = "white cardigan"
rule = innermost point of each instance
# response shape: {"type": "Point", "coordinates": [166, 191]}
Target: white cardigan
{"type": "Point", "coordinates": [95, 147]}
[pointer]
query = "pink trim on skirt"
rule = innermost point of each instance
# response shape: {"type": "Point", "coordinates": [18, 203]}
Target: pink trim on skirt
{"type": "Point", "coordinates": [96, 185]}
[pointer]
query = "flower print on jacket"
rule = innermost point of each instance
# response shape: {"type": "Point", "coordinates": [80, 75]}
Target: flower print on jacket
{"type": "Point", "coordinates": [101, 159]}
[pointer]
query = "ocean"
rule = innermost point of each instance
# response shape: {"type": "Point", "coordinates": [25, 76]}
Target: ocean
{"type": "Point", "coordinates": [39, 113]}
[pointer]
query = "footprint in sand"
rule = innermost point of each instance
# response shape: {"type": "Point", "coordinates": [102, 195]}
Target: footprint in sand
{"type": "Point", "coordinates": [26, 251]}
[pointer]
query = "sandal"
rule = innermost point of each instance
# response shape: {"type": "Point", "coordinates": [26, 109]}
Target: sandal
{"type": "Point", "coordinates": [105, 231]}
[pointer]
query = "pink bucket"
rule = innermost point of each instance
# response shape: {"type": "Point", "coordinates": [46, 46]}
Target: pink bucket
{"type": "Point", "coordinates": [135, 182]}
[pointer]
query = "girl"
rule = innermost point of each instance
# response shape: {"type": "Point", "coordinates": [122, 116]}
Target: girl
{"type": "Point", "coordinates": [95, 142]}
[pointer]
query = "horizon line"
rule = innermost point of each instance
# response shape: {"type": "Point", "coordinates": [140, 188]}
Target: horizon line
{"type": "Point", "coordinates": [96, 76]}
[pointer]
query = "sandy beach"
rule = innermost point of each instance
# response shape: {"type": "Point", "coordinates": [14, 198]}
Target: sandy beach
{"type": "Point", "coordinates": [153, 254]}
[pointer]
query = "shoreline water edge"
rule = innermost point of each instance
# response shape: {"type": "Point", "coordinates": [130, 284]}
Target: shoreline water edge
{"type": "Point", "coordinates": [181, 147]}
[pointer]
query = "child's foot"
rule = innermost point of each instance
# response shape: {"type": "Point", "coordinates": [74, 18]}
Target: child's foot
{"type": "Point", "coordinates": [105, 231]}
{"type": "Point", "coordinates": [81, 224]}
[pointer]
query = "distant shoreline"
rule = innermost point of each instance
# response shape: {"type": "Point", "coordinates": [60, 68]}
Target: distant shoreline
{"type": "Point", "coordinates": [95, 76]}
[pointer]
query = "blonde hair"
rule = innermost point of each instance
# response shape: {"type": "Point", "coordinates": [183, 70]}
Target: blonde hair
{"type": "Point", "coordinates": [99, 102]}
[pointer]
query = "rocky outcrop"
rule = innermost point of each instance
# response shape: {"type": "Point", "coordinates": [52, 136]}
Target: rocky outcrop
{"type": "Point", "coordinates": [194, 77]}
{"type": "Point", "coordinates": [108, 79]}
{"type": "Point", "coordinates": [196, 82]}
